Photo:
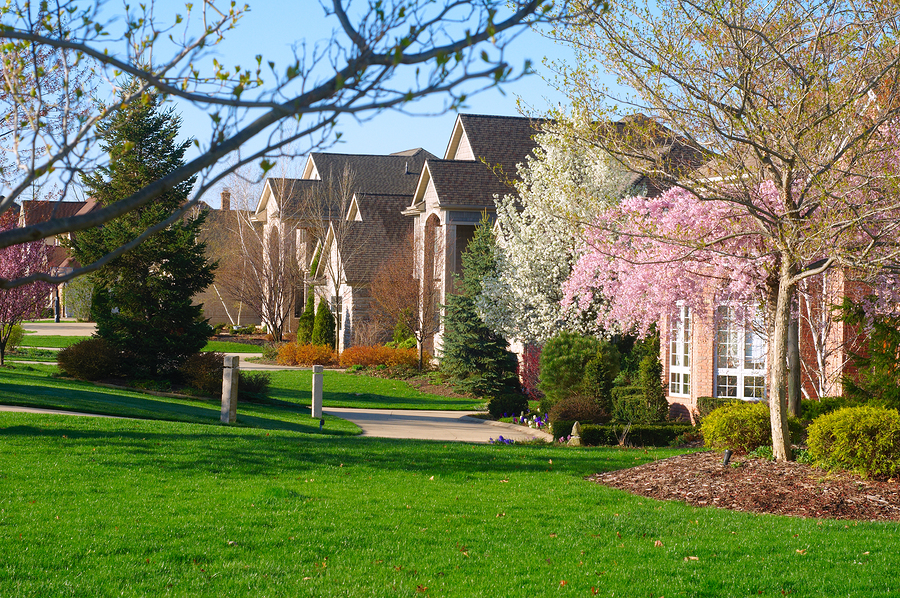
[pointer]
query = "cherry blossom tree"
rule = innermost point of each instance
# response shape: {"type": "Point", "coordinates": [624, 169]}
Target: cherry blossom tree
{"type": "Point", "coordinates": [26, 301]}
{"type": "Point", "coordinates": [540, 230]}
{"type": "Point", "coordinates": [795, 105]}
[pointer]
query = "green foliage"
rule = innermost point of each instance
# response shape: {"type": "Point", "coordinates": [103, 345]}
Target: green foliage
{"type": "Point", "coordinates": [810, 410]}
{"type": "Point", "coordinates": [610, 434]}
{"type": "Point", "coordinates": [91, 359]}
{"type": "Point", "coordinates": [15, 336]}
{"type": "Point", "coordinates": [741, 427]}
{"type": "Point", "coordinates": [864, 439]}
{"type": "Point", "coordinates": [323, 326]}
{"type": "Point", "coordinates": [508, 404]}
{"type": "Point", "coordinates": [307, 321]}
{"type": "Point", "coordinates": [563, 362]}
{"type": "Point", "coordinates": [203, 371]}
{"type": "Point", "coordinates": [142, 300]}
{"type": "Point", "coordinates": [706, 405]}
{"type": "Point", "coordinates": [402, 335]}
{"type": "Point", "coordinates": [878, 374]}
{"type": "Point", "coordinates": [475, 359]}
{"type": "Point", "coordinates": [599, 374]}
{"type": "Point", "coordinates": [253, 386]}
{"type": "Point", "coordinates": [77, 297]}
{"type": "Point", "coordinates": [582, 409]}
{"type": "Point", "coordinates": [650, 379]}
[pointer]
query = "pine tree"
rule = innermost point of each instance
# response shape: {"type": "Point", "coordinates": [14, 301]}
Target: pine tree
{"type": "Point", "coordinates": [474, 358]}
{"type": "Point", "coordinates": [142, 299]}
{"type": "Point", "coordinates": [323, 329]}
{"type": "Point", "coordinates": [306, 321]}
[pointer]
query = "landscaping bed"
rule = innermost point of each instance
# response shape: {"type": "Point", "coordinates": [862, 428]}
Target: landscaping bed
{"type": "Point", "coordinates": [759, 486]}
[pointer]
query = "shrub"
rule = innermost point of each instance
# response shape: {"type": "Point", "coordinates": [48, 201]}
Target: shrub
{"type": "Point", "coordinates": [863, 439]}
{"type": "Point", "coordinates": [581, 409]}
{"type": "Point", "coordinates": [650, 378]}
{"type": "Point", "coordinates": [323, 326]}
{"type": "Point", "coordinates": [810, 410]}
{"type": "Point", "coordinates": [706, 405]}
{"type": "Point", "coordinates": [270, 351]}
{"type": "Point", "coordinates": [305, 355]}
{"type": "Point", "coordinates": [637, 435]}
{"type": "Point", "coordinates": [15, 337]}
{"type": "Point", "coordinates": [90, 359]}
{"type": "Point", "coordinates": [741, 427]}
{"type": "Point", "coordinates": [243, 330]}
{"type": "Point", "coordinates": [375, 355]}
{"type": "Point", "coordinates": [509, 403]}
{"type": "Point", "coordinates": [306, 321]}
{"type": "Point", "coordinates": [203, 371]}
{"type": "Point", "coordinates": [599, 374]}
{"type": "Point", "coordinates": [402, 333]}
{"type": "Point", "coordinates": [631, 405]}
{"type": "Point", "coordinates": [563, 361]}
{"type": "Point", "coordinates": [253, 385]}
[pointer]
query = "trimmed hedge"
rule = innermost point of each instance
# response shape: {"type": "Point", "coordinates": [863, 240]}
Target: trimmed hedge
{"type": "Point", "coordinates": [743, 426]}
{"type": "Point", "coordinates": [810, 410]}
{"type": "Point", "coordinates": [379, 355]}
{"type": "Point", "coordinates": [865, 440]}
{"type": "Point", "coordinates": [608, 434]}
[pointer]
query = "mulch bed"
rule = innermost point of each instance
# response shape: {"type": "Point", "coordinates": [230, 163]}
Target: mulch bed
{"type": "Point", "coordinates": [759, 486]}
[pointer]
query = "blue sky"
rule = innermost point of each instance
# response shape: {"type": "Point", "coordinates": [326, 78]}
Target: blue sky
{"type": "Point", "coordinates": [270, 28]}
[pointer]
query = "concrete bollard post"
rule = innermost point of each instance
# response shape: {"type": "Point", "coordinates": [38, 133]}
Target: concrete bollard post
{"type": "Point", "coordinates": [317, 391]}
{"type": "Point", "coordinates": [230, 377]}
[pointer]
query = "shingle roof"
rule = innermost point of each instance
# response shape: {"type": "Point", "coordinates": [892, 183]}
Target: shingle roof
{"type": "Point", "coordinates": [395, 174]}
{"type": "Point", "coordinates": [464, 183]}
{"type": "Point", "coordinates": [382, 231]}
{"type": "Point", "coordinates": [36, 211]}
{"type": "Point", "coordinates": [503, 140]}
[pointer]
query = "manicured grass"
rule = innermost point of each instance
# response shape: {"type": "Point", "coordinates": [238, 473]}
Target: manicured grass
{"type": "Point", "coordinates": [33, 386]}
{"type": "Point", "coordinates": [94, 507]}
{"type": "Point", "coordinates": [32, 354]}
{"type": "Point", "coordinates": [364, 392]}
{"type": "Point", "coordinates": [42, 340]}
{"type": "Point", "coordinates": [230, 347]}
{"type": "Point", "coordinates": [38, 340]}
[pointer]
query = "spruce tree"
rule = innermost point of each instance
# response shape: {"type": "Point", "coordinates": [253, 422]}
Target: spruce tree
{"type": "Point", "coordinates": [142, 299]}
{"type": "Point", "coordinates": [474, 358]}
{"type": "Point", "coordinates": [323, 328]}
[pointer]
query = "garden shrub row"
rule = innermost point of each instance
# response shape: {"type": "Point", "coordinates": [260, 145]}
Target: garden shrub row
{"type": "Point", "coordinates": [370, 356]}
{"type": "Point", "coordinates": [306, 355]}
{"type": "Point", "coordinates": [609, 434]}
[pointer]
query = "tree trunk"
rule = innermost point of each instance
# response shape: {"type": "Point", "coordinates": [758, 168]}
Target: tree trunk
{"type": "Point", "coordinates": [781, 439]}
{"type": "Point", "coordinates": [794, 368]}
{"type": "Point", "coordinates": [420, 345]}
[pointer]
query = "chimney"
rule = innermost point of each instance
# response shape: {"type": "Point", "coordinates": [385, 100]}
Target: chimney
{"type": "Point", "coordinates": [226, 198]}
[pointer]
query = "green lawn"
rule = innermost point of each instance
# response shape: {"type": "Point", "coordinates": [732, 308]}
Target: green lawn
{"type": "Point", "coordinates": [92, 507]}
{"type": "Point", "coordinates": [32, 385]}
{"type": "Point", "coordinates": [38, 340]}
{"type": "Point", "coordinates": [364, 392]}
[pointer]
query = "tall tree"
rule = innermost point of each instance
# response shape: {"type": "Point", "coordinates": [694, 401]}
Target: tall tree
{"type": "Point", "coordinates": [475, 358]}
{"type": "Point", "coordinates": [796, 105]}
{"type": "Point", "coordinates": [142, 302]}
{"type": "Point", "coordinates": [382, 55]}
{"type": "Point", "coordinates": [26, 301]}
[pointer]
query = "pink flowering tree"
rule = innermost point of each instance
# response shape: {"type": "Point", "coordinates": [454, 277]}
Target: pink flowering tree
{"type": "Point", "coordinates": [794, 105]}
{"type": "Point", "coordinates": [23, 302]}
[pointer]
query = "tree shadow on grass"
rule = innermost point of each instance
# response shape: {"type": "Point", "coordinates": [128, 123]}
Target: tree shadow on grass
{"type": "Point", "coordinates": [278, 453]}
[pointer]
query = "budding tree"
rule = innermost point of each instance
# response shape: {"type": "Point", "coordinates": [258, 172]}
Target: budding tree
{"type": "Point", "coordinates": [795, 105]}
{"type": "Point", "coordinates": [383, 56]}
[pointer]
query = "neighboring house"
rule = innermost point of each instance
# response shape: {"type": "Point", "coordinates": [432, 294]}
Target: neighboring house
{"type": "Point", "coordinates": [451, 195]}
{"type": "Point", "coordinates": [342, 216]}
{"type": "Point", "coordinates": [60, 260]}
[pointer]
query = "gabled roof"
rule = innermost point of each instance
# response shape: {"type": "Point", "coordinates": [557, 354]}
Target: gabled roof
{"type": "Point", "coordinates": [461, 183]}
{"type": "Point", "coordinates": [497, 140]}
{"type": "Point", "coordinates": [395, 174]}
{"type": "Point", "coordinates": [382, 231]}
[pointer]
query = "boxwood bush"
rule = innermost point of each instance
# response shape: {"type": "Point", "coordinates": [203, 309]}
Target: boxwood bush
{"type": "Point", "coordinates": [741, 427]}
{"type": "Point", "coordinates": [863, 439]}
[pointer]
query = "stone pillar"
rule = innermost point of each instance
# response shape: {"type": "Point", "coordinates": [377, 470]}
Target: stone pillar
{"type": "Point", "coordinates": [230, 376]}
{"type": "Point", "coordinates": [317, 391]}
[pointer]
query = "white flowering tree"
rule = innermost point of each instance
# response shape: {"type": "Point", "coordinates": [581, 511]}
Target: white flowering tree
{"type": "Point", "coordinates": [540, 231]}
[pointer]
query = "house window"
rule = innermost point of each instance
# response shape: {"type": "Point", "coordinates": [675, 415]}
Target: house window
{"type": "Point", "coordinates": [680, 353]}
{"type": "Point", "coordinates": [740, 358]}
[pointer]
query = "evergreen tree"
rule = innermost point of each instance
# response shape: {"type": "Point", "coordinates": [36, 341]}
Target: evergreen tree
{"type": "Point", "coordinates": [474, 358]}
{"type": "Point", "coordinates": [323, 328]}
{"type": "Point", "coordinates": [307, 321]}
{"type": "Point", "coordinates": [142, 299]}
